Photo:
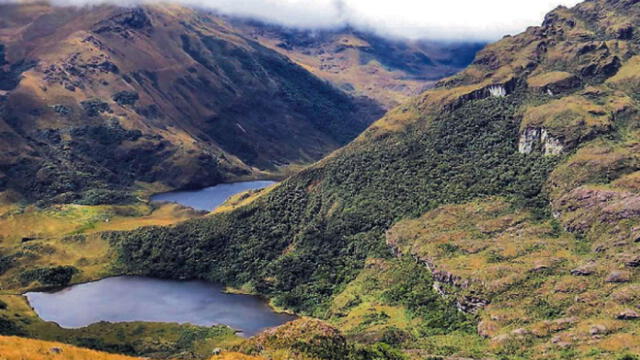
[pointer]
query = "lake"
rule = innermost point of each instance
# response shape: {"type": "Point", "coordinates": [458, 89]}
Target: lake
{"type": "Point", "coordinates": [211, 197]}
{"type": "Point", "coordinates": [131, 298]}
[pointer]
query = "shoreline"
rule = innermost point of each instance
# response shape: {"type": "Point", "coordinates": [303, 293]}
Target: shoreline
{"type": "Point", "coordinates": [223, 290]}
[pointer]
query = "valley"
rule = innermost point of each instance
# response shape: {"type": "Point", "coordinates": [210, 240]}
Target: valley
{"type": "Point", "coordinates": [384, 202]}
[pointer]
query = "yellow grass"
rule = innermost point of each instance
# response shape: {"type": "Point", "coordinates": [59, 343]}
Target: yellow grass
{"type": "Point", "coordinates": [243, 199]}
{"type": "Point", "coordinates": [234, 356]}
{"type": "Point", "coordinates": [542, 80]}
{"type": "Point", "coordinates": [14, 348]}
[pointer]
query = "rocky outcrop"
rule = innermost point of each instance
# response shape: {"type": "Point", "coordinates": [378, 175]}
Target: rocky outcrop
{"type": "Point", "coordinates": [628, 315]}
{"type": "Point", "coordinates": [443, 279]}
{"type": "Point", "coordinates": [495, 90]}
{"type": "Point", "coordinates": [585, 206]}
{"type": "Point", "coordinates": [618, 277]}
{"type": "Point", "coordinates": [584, 270]}
{"type": "Point", "coordinates": [554, 83]}
{"type": "Point", "coordinates": [538, 139]}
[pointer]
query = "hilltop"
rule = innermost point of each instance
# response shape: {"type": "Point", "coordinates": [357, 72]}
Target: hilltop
{"type": "Point", "coordinates": [389, 71]}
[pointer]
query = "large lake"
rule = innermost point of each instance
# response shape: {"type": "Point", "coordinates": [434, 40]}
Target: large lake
{"type": "Point", "coordinates": [130, 298]}
{"type": "Point", "coordinates": [211, 197]}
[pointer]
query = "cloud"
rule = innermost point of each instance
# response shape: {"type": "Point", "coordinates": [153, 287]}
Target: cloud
{"type": "Point", "coordinates": [433, 19]}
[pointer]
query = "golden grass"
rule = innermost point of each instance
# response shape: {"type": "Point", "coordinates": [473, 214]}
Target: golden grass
{"type": "Point", "coordinates": [52, 235]}
{"type": "Point", "coordinates": [542, 80]}
{"type": "Point", "coordinates": [15, 348]}
{"type": "Point", "coordinates": [569, 114]}
{"type": "Point", "coordinates": [243, 199]}
{"type": "Point", "coordinates": [234, 356]}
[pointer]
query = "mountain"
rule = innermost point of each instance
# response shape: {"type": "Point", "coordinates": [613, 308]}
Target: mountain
{"type": "Point", "coordinates": [94, 99]}
{"type": "Point", "coordinates": [494, 216]}
{"type": "Point", "coordinates": [363, 64]}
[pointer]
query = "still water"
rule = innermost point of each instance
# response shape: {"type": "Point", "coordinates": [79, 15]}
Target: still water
{"type": "Point", "coordinates": [211, 197]}
{"type": "Point", "coordinates": [130, 298]}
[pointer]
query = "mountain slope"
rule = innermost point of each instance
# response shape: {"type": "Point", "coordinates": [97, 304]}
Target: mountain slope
{"type": "Point", "coordinates": [100, 97]}
{"type": "Point", "coordinates": [524, 169]}
{"type": "Point", "coordinates": [364, 64]}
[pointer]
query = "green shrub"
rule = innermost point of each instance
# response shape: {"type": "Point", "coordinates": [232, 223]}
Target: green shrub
{"type": "Point", "coordinates": [49, 276]}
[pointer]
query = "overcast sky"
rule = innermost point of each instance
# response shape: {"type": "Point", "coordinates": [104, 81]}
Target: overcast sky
{"type": "Point", "coordinates": [434, 19]}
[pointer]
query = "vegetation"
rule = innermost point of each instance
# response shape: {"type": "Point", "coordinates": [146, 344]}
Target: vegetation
{"type": "Point", "coordinates": [13, 348]}
{"type": "Point", "coordinates": [434, 231]}
{"type": "Point", "coordinates": [84, 130]}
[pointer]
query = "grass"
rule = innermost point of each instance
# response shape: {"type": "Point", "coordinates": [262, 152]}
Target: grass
{"type": "Point", "coordinates": [14, 348]}
{"type": "Point", "coordinates": [522, 266]}
{"type": "Point", "coordinates": [549, 78]}
{"type": "Point", "coordinates": [570, 118]}
{"type": "Point", "coordinates": [70, 235]}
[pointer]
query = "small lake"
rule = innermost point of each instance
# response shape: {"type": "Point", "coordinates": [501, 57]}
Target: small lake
{"type": "Point", "coordinates": [131, 298]}
{"type": "Point", "coordinates": [211, 197]}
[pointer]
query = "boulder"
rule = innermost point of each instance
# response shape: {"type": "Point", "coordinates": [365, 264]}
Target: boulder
{"type": "Point", "coordinates": [520, 332]}
{"type": "Point", "coordinates": [598, 330]}
{"type": "Point", "coordinates": [618, 277]}
{"type": "Point", "coordinates": [584, 270]}
{"type": "Point", "coordinates": [633, 262]}
{"type": "Point", "coordinates": [628, 315]}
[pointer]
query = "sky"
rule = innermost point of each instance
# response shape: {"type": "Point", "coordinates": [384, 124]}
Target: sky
{"type": "Point", "coordinates": [415, 19]}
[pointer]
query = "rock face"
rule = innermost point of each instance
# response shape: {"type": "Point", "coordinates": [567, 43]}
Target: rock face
{"type": "Point", "coordinates": [497, 91]}
{"type": "Point", "coordinates": [554, 83]}
{"type": "Point", "coordinates": [539, 139]}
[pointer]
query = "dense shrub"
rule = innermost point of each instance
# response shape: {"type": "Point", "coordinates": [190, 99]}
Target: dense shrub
{"type": "Point", "coordinates": [49, 276]}
{"type": "Point", "coordinates": [103, 196]}
{"type": "Point", "coordinates": [126, 97]}
{"type": "Point", "coordinates": [305, 240]}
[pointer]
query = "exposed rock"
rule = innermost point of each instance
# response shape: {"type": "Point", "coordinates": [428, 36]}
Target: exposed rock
{"type": "Point", "coordinates": [598, 330]}
{"type": "Point", "coordinates": [628, 315]}
{"type": "Point", "coordinates": [564, 323]}
{"type": "Point", "coordinates": [470, 304]}
{"type": "Point", "coordinates": [618, 277]}
{"type": "Point", "coordinates": [124, 23]}
{"type": "Point", "coordinates": [540, 268]}
{"type": "Point", "coordinates": [554, 83]}
{"type": "Point", "coordinates": [584, 270]}
{"type": "Point", "coordinates": [597, 205]}
{"type": "Point", "coordinates": [634, 262]}
{"type": "Point", "coordinates": [521, 332]}
{"type": "Point", "coordinates": [55, 350]}
{"type": "Point", "coordinates": [533, 139]}
{"type": "Point", "coordinates": [497, 91]}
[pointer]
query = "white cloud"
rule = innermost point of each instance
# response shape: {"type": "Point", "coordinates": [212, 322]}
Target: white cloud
{"type": "Point", "coordinates": [435, 19]}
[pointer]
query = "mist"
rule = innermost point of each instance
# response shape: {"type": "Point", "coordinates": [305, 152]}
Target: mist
{"type": "Point", "coordinates": [414, 19]}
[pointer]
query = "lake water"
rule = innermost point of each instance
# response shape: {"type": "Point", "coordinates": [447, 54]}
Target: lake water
{"type": "Point", "coordinates": [131, 298]}
{"type": "Point", "coordinates": [211, 197]}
